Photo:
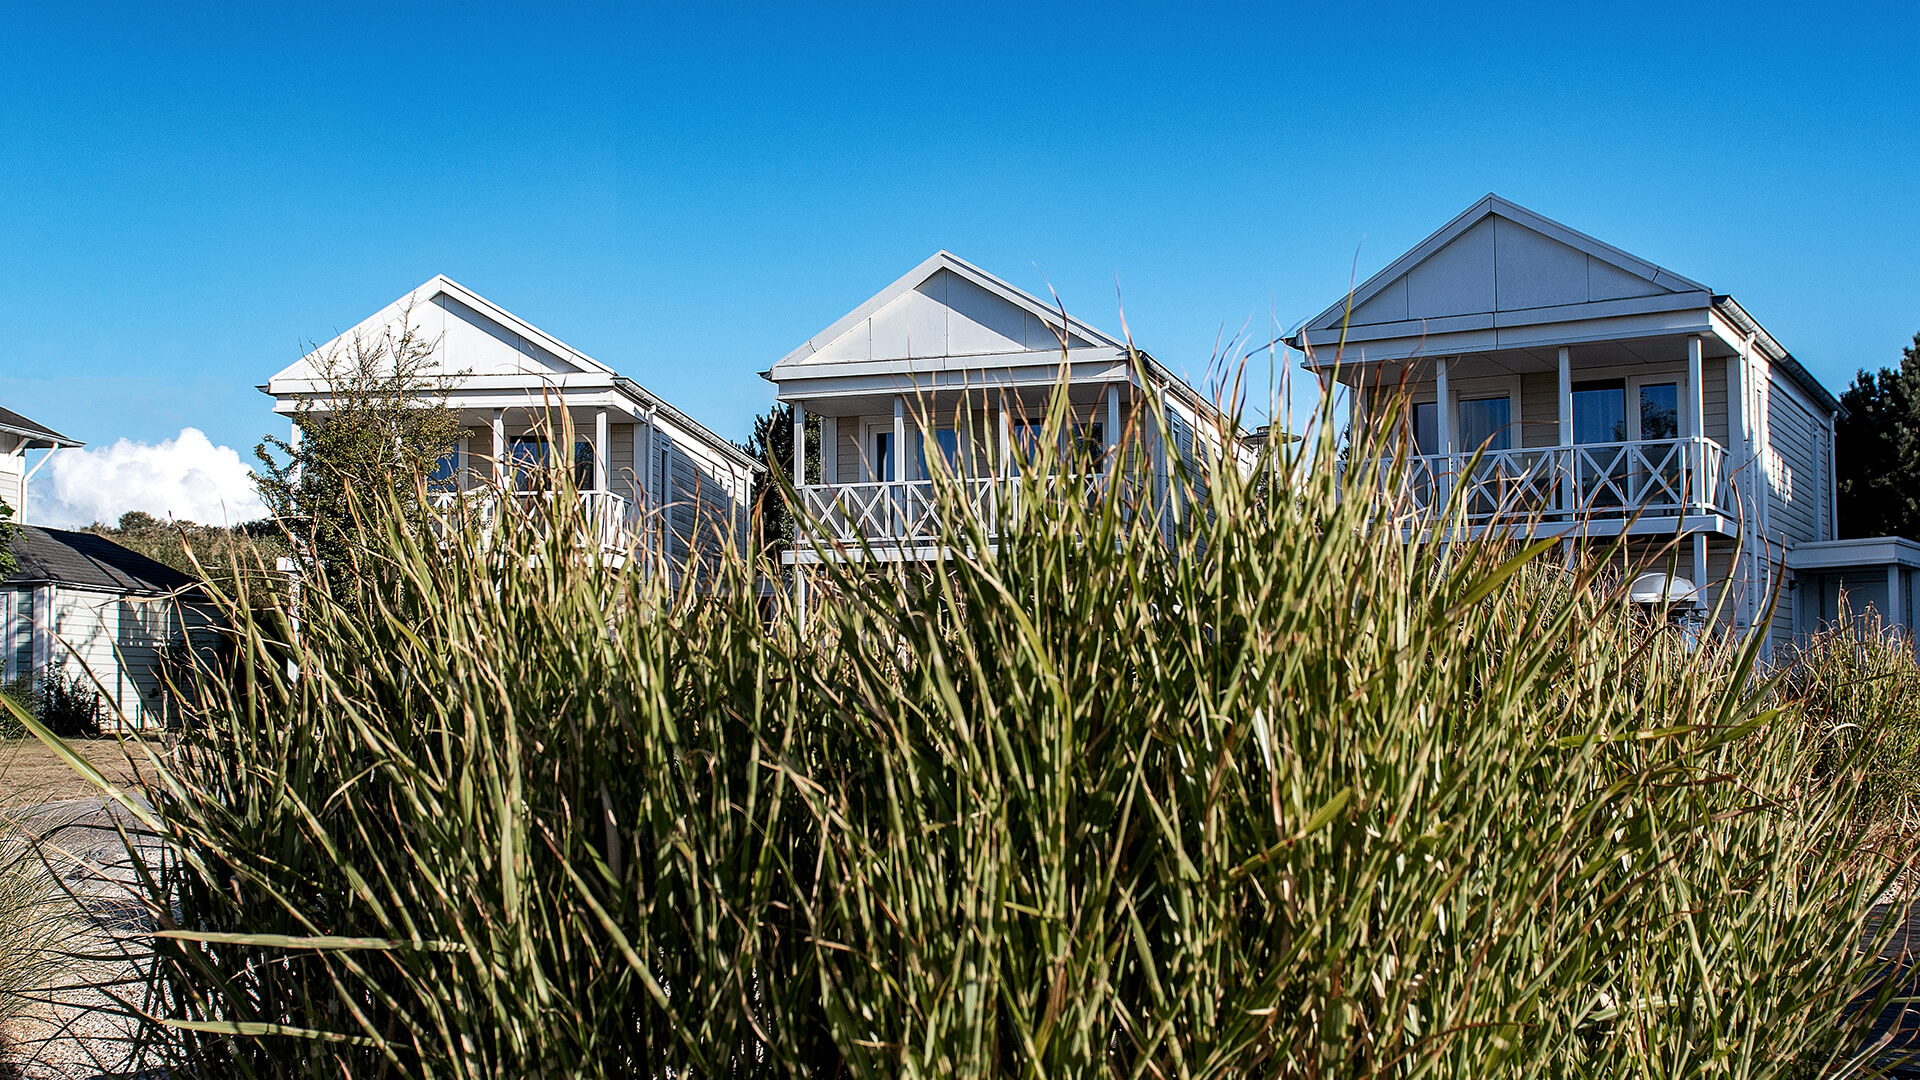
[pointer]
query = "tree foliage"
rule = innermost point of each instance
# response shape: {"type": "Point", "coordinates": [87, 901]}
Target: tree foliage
{"type": "Point", "coordinates": [772, 446]}
{"type": "Point", "coordinates": [381, 421]}
{"type": "Point", "coordinates": [9, 532]}
{"type": "Point", "coordinates": [1878, 451]}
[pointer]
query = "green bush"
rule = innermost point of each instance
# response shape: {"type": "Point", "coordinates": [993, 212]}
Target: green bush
{"type": "Point", "coordinates": [1858, 687]}
{"type": "Point", "coordinates": [68, 703]}
{"type": "Point", "coordinates": [1272, 789]}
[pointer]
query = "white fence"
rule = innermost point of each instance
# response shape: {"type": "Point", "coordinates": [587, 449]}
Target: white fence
{"type": "Point", "coordinates": [1648, 478]}
{"type": "Point", "coordinates": [908, 513]}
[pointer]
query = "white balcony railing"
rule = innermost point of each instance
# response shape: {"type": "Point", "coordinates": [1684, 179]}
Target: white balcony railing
{"type": "Point", "coordinates": [608, 520]}
{"type": "Point", "coordinates": [1651, 478]}
{"type": "Point", "coordinates": [896, 512]}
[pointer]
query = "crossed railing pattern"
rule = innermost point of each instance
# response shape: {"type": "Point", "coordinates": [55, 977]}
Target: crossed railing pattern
{"type": "Point", "coordinates": [608, 520]}
{"type": "Point", "coordinates": [1647, 478]}
{"type": "Point", "coordinates": [907, 512]}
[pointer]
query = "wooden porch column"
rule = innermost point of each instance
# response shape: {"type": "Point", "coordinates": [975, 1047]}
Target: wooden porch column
{"type": "Point", "coordinates": [1566, 396]}
{"type": "Point", "coordinates": [601, 448]}
{"type": "Point", "coordinates": [799, 443]}
{"type": "Point", "coordinates": [1697, 421]}
{"type": "Point", "coordinates": [1004, 424]}
{"type": "Point", "coordinates": [899, 437]}
{"type": "Point", "coordinates": [1443, 408]}
{"type": "Point", "coordinates": [1113, 425]}
{"type": "Point", "coordinates": [500, 447]}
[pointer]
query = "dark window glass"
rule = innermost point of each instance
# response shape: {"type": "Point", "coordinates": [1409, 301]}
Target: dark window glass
{"type": "Point", "coordinates": [1426, 429]}
{"type": "Point", "coordinates": [1486, 422]}
{"type": "Point", "coordinates": [949, 444]}
{"type": "Point", "coordinates": [1600, 412]}
{"type": "Point", "coordinates": [446, 472]}
{"type": "Point", "coordinates": [1660, 411]}
{"type": "Point", "coordinates": [883, 455]}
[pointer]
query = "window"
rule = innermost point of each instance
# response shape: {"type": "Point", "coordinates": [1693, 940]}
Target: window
{"type": "Point", "coordinates": [1600, 411]}
{"type": "Point", "coordinates": [1486, 422]}
{"type": "Point", "coordinates": [527, 462]}
{"type": "Point", "coordinates": [1426, 428]}
{"type": "Point", "coordinates": [1082, 447]}
{"type": "Point", "coordinates": [883, 456]}
{"type": "Point", "coordinates": [446, 471]}
{"type": "Point", "coordinates": [1659, 411]}
{"type": "Point", "coordinates": [531, 461]}
{"type": "Point", "coordinates": [583, 466]}
{"type": "Point", "coordinates": [948, 443]}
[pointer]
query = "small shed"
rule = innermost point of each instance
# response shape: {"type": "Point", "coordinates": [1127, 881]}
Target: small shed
{"type": "Point", "coordinates": [82, 603]}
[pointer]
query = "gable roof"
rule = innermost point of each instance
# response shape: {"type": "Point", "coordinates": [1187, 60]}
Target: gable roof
{"type": "Point", "coordinates": [1499, 264]}
{"type": "Point", "coordinates": [38, 436]}
{"type": "Point", "coordinates": [68, 557]}
{"type": "Point", "coordinates": [472, 335]}
{"type": "Point", "coordinates": [946, 306]}
{"type": "Point", "coordinates": [1471, 265]}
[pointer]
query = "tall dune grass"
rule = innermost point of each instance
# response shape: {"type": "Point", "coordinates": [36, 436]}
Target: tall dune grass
{"type": "Point", "coordinates": [1273, 791]}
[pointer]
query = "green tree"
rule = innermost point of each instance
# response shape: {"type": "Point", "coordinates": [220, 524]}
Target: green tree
{"type": "Point", "coordinates": [772, 446]}
{"type": "Point", "coordinates": [1877, 447]}
{"type": "Point", "coordinates": [9, 532]}
{"type": "Point", "coordinates": [380, 423]}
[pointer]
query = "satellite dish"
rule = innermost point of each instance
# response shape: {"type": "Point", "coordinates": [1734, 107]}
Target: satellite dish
{"type": "Point", "coordinates": [1658, 588]}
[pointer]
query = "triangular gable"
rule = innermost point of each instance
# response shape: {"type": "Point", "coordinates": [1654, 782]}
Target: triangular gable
{"type": "Point", "coordinates": [946, 307]}
{"type": "Point", "coordinates": [473, 336]}
{"type": "Point", "coordinates": [1496, 257]}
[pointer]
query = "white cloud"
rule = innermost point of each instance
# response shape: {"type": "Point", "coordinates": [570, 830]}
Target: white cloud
{"type": "Point", "coordinates": [185, 478]}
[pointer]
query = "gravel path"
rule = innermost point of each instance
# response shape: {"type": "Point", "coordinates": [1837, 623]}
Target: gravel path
{"type": "Point", "coordinates": [75, 1033]}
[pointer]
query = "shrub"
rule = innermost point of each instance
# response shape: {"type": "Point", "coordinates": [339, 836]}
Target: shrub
{"type": "Point", "coordinates": [66, 702]}
{"type": "Point", "coordinates": [1858, 687]}
{"type": "Point", "coordinates": [1270, 789]}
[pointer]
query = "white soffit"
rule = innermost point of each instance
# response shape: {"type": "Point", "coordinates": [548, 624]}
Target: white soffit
{"type": "Point", "coordinates": [945, 307]}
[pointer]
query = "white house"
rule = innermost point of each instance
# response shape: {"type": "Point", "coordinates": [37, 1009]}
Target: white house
{"type": "Point", "coordinates": [17, 436]}
{"type": "Point", "coordinates": [1607, 395]}
{"type": "Point", "coordinates": [83, 604]}
{"type": "Point", "coordinates": [655, 481]}
{"type": "Point", "coordinates": [952, 361]}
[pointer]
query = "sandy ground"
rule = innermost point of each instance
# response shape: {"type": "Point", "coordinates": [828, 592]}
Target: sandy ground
{"type": "Point", "coordinates": [31, 774]}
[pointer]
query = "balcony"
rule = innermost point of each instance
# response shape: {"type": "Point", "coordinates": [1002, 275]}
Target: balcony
{"type": "Point", "coordinates": [905, 515]}
{"type": "Point", "coordinates": [1600, 488]}
{"type": "Point", "coordinates": [607, 521]}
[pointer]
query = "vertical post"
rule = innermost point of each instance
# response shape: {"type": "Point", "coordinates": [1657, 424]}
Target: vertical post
{"type": "Point", "coordinates": [1566, 396]}
{"type": "Point", "coordinates": [639, 461]}
{"type": "Point", "coordinates": [1005, 438]}
{"type": "Point", "coordinates": [601, 448]}
{"type": "Point", "coordinates": [1696, 421]}
{"type": "Point", "coordinates": [829, 450]}
{"type": "Point", "coordinates": [1443, 408]}
{"type": "Point", "coordinates": [500, 447]}
{"type": "Point", "coordinates": [1568, 464]}
{"type": "Point", "coordinates": [899, 438]}
{"type": "Point", "coordinates": [1739, 459]}
{"type": "Point", "coordinates": [1896, 613]}
{"type": "Point", "coordinates": [1699, 565]}
{"type": "Point", "coordinates": [1113, 426]}
{"type": "Point", "coordinates": [799, 443]}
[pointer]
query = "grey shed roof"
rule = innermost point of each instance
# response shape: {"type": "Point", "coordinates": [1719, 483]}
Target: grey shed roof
{"type": "Point", "coordinates": [65, 557]}
{"type": "Point", "coordinates": [38, 436]}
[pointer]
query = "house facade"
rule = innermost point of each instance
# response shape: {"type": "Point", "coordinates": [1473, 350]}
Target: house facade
{"type": "Point", "coordinates": [1559, 386]}
{"type": "Point", "coordinates": [951, 367]}
{"type": "Point", "coordinates": [18, 435]}
{"type": "Point", "coordinates": [655, 483]}
{"type": "Point", "coordinates": [83, 605]}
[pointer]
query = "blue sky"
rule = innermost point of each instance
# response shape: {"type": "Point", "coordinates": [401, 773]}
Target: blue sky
{"type": "Point", "coordinates": [686, 195]}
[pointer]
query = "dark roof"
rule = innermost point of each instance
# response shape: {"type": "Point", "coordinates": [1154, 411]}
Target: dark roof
{"type": "Point", "coordinates": [38, 436]}
{"type": "Point", "coordinates": [65, 557]}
